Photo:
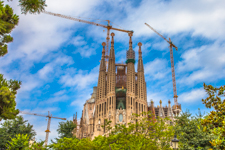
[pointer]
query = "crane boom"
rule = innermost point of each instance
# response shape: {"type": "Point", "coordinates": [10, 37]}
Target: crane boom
{"type": "Point", "coordinates": [49, 122]}
{"type": "Point", "coordinates": [157, 32]}
{"type": "Point", "coordinates": [161, 36]}
{"type": "Point", "coordinates": [108, 27]}
{"type": "Point", "coordinates": [75, 19]}
{"type": "Point", "coordinates": [89, 22]}
{"type": "Point", "coordinates": [28, 113]}
{"type": "Point", "coordinates": [172, 66]}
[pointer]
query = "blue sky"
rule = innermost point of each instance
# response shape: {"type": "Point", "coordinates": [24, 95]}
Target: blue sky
{"type": "Point", "coordinates": [57, 59]}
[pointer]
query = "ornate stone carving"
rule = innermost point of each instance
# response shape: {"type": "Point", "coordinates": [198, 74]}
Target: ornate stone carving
{"type": "Point", "coordinates": [120, 116]}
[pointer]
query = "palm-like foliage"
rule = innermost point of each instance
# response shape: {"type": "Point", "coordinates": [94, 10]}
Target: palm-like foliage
{"type": "Point", "coordinates": [32, 6]}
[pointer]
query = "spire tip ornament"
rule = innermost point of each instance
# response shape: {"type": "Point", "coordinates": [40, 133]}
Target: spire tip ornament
{"type": "Point", "coordinates": [103, 44]}
{"type": "Point", "coordinates": [112, 34]}
{"type": "Point", "coordinates": [139, 44]}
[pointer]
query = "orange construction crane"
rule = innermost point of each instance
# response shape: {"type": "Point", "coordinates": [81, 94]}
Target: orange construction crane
{"type": "Point", "coordinates": [176, 104]}
{"type": "Point", "coordinates": [108, 27]}
{"type": "Point", "coordinates": [49, 121]}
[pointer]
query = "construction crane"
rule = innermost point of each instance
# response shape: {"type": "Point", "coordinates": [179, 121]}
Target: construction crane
{"type": "Point", "coordinates": [108, 27]}
{"type": "Point", "coordinates": [176, 104]}
{"type": "Point", "coordinates": [49, 121]}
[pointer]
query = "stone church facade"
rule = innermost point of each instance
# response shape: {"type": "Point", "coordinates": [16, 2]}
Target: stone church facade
{"type": "Point", "coordinates": [120, 92]}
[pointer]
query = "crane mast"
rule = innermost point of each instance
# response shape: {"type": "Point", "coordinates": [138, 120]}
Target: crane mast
{"type": "Point", "coordinates": [173, 74]}
{"type": "Point", "coordinates": [49, 122]}
{"type": "Point", "coordinates": [176, 106]}
{"type": "Point", "coordinates": [108, 27]}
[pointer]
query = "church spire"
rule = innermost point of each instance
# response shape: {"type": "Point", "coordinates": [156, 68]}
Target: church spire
{"type": "Point", "coordinates": [140, 61]}
{"type": "Point", "coordinates": [141, 84]}
{"type": "Point", "coordinates": [130, 41]}
{"type": "Point", "coordinates": [102, 64]}
{"type": "Point", "coordinates": [112, 53]}
{"type": "Point", "coordinates": [130, 52]}
{"type": "Point", "coordinates": [101, 78]}
{"type": "Point", "coordinates": [111, 78]}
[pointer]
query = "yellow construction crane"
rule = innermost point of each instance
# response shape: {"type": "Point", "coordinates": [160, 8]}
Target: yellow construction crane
{"type": "Point", "coordinates": [49, 121]}
{"type": "Point", "coordinates": [176, 106]}
{"type": "Point", "coordinates": [108, 27]}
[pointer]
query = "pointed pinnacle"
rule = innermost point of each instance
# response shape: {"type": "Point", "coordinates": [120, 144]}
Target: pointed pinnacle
{"type": "Point", "coordinates": [139, 44]}
{"type": "Point", "coordinates": [103, 44]}
{"type": "Point", "coordinates": [130, 41]}
{"type": "Point", "coordinates": [112, 42]}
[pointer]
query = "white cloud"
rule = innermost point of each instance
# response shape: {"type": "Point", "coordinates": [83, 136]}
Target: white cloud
{"type": "Point", "coordinates": [59, 93]}
{"type": "Point", "coordinates": [195, 95]}
{"type": "Point", "coordinates": [201, 17]}
{"type": "Point", "coordinates": [161, 46]}
{"type": "Point", "coordinates": [78, 41]}
{"type": "Point", "coordinates": [157, 69]}
{"type": "Point", "coordinates": [86, 51]}
{"type": "Point", "coordinates": [206, 62]}
{"type": "Point", "coordinates": [53, 68]}
{"type": "Point", "coordinates": [61, 98]}
{"type": "Point", "coordinates": [81, 79]}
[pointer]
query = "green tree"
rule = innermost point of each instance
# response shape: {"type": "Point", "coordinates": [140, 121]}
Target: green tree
{"type": "Point", "coordinates": [32, 6]}
{"type": "Point", "coordinates": [8, 21]}
{"type": "Point", "coordinates": [190, 132]}
{"type": "Point", "coordinates": [65, 144]}
{"type": "Point", "coordinates": [65, 129]}
{"type": "Point", "coordinates": [215, 121]}
{"type": "Point", "coordinates": [8, 90]}
{"type": "Point", "coordinates": [20, 142]}
{"type": "Point", "coordinates": [38, 146]}
{"type": "Point", "coordinates": [141, 135]}
{"type": "Point", "coordinates": [10, 128]}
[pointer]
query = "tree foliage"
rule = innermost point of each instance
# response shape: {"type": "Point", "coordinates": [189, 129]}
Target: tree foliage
{"type": "Point", "coordinates": [135, 136]}
{"type": "Point", "coordinates": [215, 121]}
{"type": "Point", "coordinates": [8, 21]}
{"type": "Point", "coordinates": [20, 142]}
{"type": "Point", "coordinates": [190, 132]}
{"type": "Point", "coordinates": [8, 91]}
{"type": "Point", "coordinates": [32, 6]}
{"type": "Point", "coordinates": [38, 146]}
{"type": "Point", "coordinates": [10, 128]}
{"type": "Point", "coordinates": [65, 129]}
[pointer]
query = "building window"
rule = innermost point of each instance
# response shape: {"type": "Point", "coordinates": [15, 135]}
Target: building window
{"type": "Point", "coordinates": [131, 101]}
{"type": "Point", "coordinates": [97, 109]}
{"type": "Point", "coordinates": [105, 107]}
